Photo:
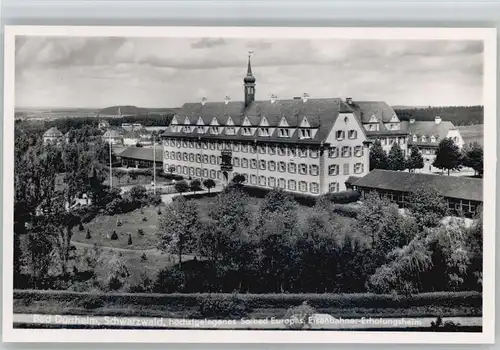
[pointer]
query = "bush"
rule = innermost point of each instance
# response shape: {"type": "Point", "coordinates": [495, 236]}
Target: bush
{"type": "Point", "coordinates": [114, 236]}
{"type": "Point", "coordinates": [346, 210]}
{"type": "Point", "coordinates": [144, 257]}
{"type": "Point", "coordinates": [218, 306]}
{"type": "Point", "coordinates": [140, 231]}
{"type": "Point", "coordinates": [144, 219]}
{"type": "Point", "coordinates": [119, 223]}
{"type": "Point", "coordinates": [298, 317]}
{"type": "Point", "coordinates": [343, 197]}
{"type": "Point", "coordinates": [80, 226]}
{"type": "Point", "coordinates": [114, 207]}
{"type": "Point", "coordinates": [138, 193]}
{"type": "Point", "coordinates": [181, 186]}
{"type": "Point", "coordinates": [91, 302]}
{"type": "Point", "coordinates": [88, 236]}
{"type": "Point", "coordinates": [129, 242]}
{"type": "Point", "coordinates": [159, 211]}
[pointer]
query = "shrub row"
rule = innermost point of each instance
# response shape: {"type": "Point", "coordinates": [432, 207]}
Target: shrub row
{"type": "Point", "coordinates": [343, 197]}
{"type": "Point", "coordinates": [364, 300]}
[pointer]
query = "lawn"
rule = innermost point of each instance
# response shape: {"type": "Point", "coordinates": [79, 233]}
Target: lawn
{"type": "Point", "coordinates": [103, 226]}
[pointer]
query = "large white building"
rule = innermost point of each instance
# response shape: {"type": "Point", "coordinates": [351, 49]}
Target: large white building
{"type": "Point", "coordinates": [305, 145]}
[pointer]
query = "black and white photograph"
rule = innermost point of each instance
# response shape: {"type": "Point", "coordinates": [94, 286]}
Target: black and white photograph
{"type": "Point", "coordinates": [249, 184]}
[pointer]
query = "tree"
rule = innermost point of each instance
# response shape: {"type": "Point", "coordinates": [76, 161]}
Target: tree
{"type": "Point", "coordinates": [116, 272]}
{"type": "Point", "coordinates": [448, 156]}
{"type": "Point", "coordinates": [208, 184]}
{"type": "Point", "coordinates": [195, 185]}
{"type": "Point", "coordinates": [473, 157]}
{"type": "Point", "coordinates": [239, 179]}
{"type": "Point", "coordinates": [181, 186]}
{"type": "Point", "coordinates": [396, 159]}
{"type": "Point", "coordinates": [378, 157]}
{"type": "Point", "coordinates": [415, 160]}
{"type": "Point", "coordinates": [171, 169]}
{"type": "Point", "coordinates": [426, 206]}
{"type": "Point", "coordinates": [129, 242]}
{"type": "Point", "coordinates": [178, 227]}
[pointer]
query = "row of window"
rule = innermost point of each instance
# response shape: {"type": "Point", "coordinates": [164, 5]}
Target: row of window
{"type": "Point", "coordinates": [345, 151]}
{"type": "Point", "coordinates": [291, 185]}
{"type": "Point", "coordinates": [391, 140]}
{"type": "Point", "coordinates": [334, 169]}
{"type": "Point", "coordinates": [245, 131]}
{"type": "Point", "coordinates": [351, 134]}
{"type": "Point", "coordinates": [424, 138]}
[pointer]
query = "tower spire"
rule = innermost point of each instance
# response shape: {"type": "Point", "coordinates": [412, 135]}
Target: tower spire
{"type": "Point", "coordinates": [249, 69]}
{"type": "Point", "coordinates": [249, 81]}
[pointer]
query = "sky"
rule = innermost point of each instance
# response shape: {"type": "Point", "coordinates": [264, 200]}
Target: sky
{"type": "Point", "coordinates": [167, 72]}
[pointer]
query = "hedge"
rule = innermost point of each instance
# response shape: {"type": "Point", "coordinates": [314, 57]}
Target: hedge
{"type": "Point", "coordinates": [362, 300]}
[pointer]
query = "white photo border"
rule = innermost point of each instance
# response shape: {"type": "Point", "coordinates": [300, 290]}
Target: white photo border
{"type": "Point", "coordinates": [487, 35]}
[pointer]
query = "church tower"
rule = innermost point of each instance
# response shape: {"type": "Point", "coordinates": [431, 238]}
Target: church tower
{"type": "Point", "coordinates": [249, 81]}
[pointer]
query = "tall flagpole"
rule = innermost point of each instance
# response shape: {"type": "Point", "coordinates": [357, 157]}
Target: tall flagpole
{"type": "Point", "coordinates": [110, 164]}
{"type": "Point", "coordinates": [154, 164]}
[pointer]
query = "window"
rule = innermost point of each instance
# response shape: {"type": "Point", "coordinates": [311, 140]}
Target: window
{"type": "Point", "coordinates": [383, 141]}
{"type": "Point", "coordinates": [253, 179]}
{"type": "Point", "coordinates": [253, 163]}
{"type": "Point", "coordinates": [244, 148]}
{"type": "Point", "coordinates": [346, 120]}
{"type": "Point", "coordinates": [219, 146]}
{"type": "Point", "coordinates": [284, 133]}
{"type": "Point", "coordinates": [427, 151]}
{"type": "Point", "coordinates": [282, 167]}
{"type": "Point", "coordinates": [303, 152]}
{"type": "Point", "coordinates": [424, 139]}
{"type": "Point", "coordinates": [185, 170]}
{"type": "Point", "coordinates": [172, 143]}
{"type": "Point", "coordinates": [244, 163]}
{"type": "Point", "coordinates": [184, 144]}
{"type": "Point", "coordinates": [264, 132]}
{"type": "Point", "coordinates": [167, 155]}
{"type": "Point", "coordinates": [340, 134]}
{"type": "Point", "coordinates": [271, 182]}
{"type": "Point", "coordinates": [262, 165]}
{"type": "Point", "coordinates": [262, 180]}
{"type": "Point", "coordinates": [185, 156]}
{"type": "Point", "coordinates": [236, 147]}
{"type": "Point", "coordinates": [236, 162]}
{"type": "Point", "coordinates": [346, 151]}
{"type": "Point", "coordinates": [303, 186]}
{"type": "Point", "coordinates": [246, 178]}
{"type": "Point", "coordinates": [262, 149]}
{"type": "Point", "coordinates": [219, 174]}
{"type": "Point", "coordinates": [314, 187]}
{"type": "Point", "coordinates": [198, 158]}
{"type": "Point", "coordinates": [191, 171]}
{"type": "Point", "coordinates": [179, 169]}
{"type": "Point", "coordinates": [305, 133]}
{"type": "Point", "coordinates": [333, 152]}
{"type": "Point", "coordinates": [303, 169]}
{"type": "Point", "coordinates": [212, 160]}
{"type": "Point", "coordinates": [191, 157]}
{"type": "Point", "coordinates": [358, 151]}
{"type": "Point", "coordinates": [282, 183]}
{"type": "Point", "coordinates": [172, 155]}
{"type": "Point", "coordinates": [313, 170]}
{"type": "Point", "coordinates": [219, 160]}
{"type": "Point", "coordinates": [333, 169]}
{"type": "Point", "coordinates": [402, 140]}
{"type": "Point", "coordinates": [271, 149]}
{"type": "Point", "coordinates": [198, 172]}
{"type": "Point", "coordinates": [358, 168]}
{"type": "Point", "coordinates": [314, 153]}
{"type": "Point", "coordinates": [213, 130]}
{"type": "Point", "coordinates": [346, 169]}
{"type": "Point", "coordinates": [205, 158]}
{"type": "Point", "coordinates": [191, 144]}
{"type": "Point", "coordinates": [433, 139]}
{"type": "Point", "coordinates": [272, 165]}
{"type": "Point", "coordinates": [353, 134]}
{"type": "Point", "coordinates": [292, 168]}
{"type": "Point", "coordinates": [292, 185]}
{"type": "Point", "coordinates": [230, 130]}
{"type": "Point", "coordinates": [251, 148]}
{"type": "Point", "coordinates": [205, 172]}
{"type": "Point", "coordinates": [281, 151]}
{"type": "Point", "coordinates": [333, 187]}
{"type": "Point", "coordinates": [178, 144]}
{"type": "Point", "coordinates": [246, 131]}
{"type": "Point", "coordinates": [292, 152]}
{"type": "Point", "coordinates": [212, 145]}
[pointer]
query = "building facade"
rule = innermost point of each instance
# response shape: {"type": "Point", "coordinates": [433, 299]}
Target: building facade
{"type": "Point", "coordinates": [53, 136]}
{"type": "Point", "coordinates": [303, 145]}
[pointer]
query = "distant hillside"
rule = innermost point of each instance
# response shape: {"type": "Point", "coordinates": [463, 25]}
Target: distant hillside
{"type": "Point", "coordinates": [472, 133]}
{"type": "Point", "coordinates": [458, 115]}
{"type": "Point", "coordinates": [136, 111]}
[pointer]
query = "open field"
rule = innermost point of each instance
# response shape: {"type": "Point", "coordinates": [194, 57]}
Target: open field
{"type": "Point", "coordinates": [472, 133]}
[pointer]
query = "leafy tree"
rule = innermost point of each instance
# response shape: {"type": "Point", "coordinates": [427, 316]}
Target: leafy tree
{"type": "Point", "coordinates": [473, 157]}
{"type": "Point", "coordinates": [426, 206]}
{"type": "Point", "coordinates": [209, 184]}
{"type": "Point", "coordinates": [171, 169]}
{"type": "Point", "coordinates": [378, 157]}
{"type": "Point", "coordinates": [181, 186]}
{"type": "Point", "coordinates": [239, 179]}
{"type": "Point", "coordinates": [396, 159]}
{"type": "Point", "coordinates": [195, 185]}
{"type": "Point", "coordinates": [448, 156]}
{"type": "Point", "coordinates": [178, 227]}
{"type": "Point", "coordinates": [415, 160]}
{"type": "Point", "coordinates": [116, 272]}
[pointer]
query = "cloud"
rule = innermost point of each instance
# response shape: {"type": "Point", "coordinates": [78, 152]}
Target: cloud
{"type": "Point", "coordinates": [206, 43]}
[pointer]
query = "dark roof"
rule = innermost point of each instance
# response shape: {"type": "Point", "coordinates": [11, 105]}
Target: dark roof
{"type": "Point", "coordinates": [430, 128]}
{"type": "Point", "coordinates": [53, 132]}
{"type": "Point", "coordinates": [141, 153]}
{"type": "Point", "coordinates": [352, 179]}
{"type": "Point", "coordinates": [366, 109]}
{"type": "Point", "coordinates": [460, 187]}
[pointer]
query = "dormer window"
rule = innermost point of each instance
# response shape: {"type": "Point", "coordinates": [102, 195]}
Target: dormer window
{"type": "Point", "coordinates": [424, 138]}
{"type": "Point", "coordinates": [264, 132]}
{"type": "Point", "coordinates": [284, 133]}
{"type": "Point", "coordinates": [340, 134]}
{"type": "Point", "coordinates": [353, 134]}
{"type": "Point", "coordinates": [186, 129]}
{"type": "Point", "coordinates": [230, 130]}
{"type": "Point", "coordinates": [433, 138]}
{"type": "Point", "coordinates": [415, 138]}
{"type": "Point", "coordinates": [305, 133]}
{"type": "Point", "coordinates": [214, 130]}
{"type": "Point", "coordinates": [246, 131]}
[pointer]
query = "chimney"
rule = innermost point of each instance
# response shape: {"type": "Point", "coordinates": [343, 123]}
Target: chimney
{"type": "Point", "coordinates": [203, 101]}
{"type": "Point", "coordinates": [273, 98]}
{"type": "Point", "coordinates": [305, 97]}
{"type": "Point", "coordinates": [412, 120]}
{"type": "Point", "coordinates": [437, 119]}
{"type": "Point", "coordinates": [348, 100]}
{"type": "Point", "coordinates": [227, 100]}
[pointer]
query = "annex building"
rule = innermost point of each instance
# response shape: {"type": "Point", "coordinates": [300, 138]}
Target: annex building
{"type": "Point", "coordinates": [303, 144]}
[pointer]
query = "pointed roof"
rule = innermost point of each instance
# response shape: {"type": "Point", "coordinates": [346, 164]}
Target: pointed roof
{"type": "Point", "coordinates": [249, 79]}
{"type": "Point", "coordinates": [53, 132]}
